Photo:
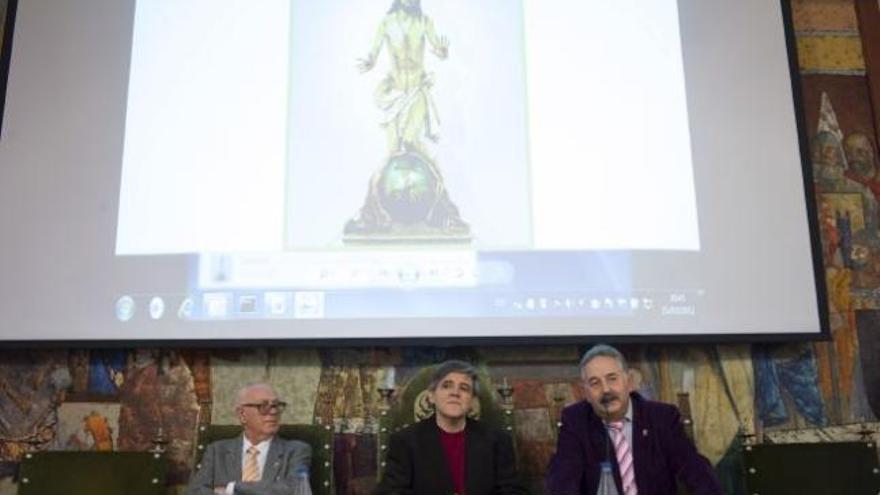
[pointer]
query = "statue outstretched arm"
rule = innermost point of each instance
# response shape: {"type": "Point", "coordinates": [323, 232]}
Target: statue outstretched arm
{"type": "Point", "coordinates": [368, 62]}
{"type": "Point", "coordinates": [439, 44]}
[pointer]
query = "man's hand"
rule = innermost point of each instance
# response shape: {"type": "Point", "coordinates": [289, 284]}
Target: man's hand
{"type": "Point", "coordinates": [220, 489]}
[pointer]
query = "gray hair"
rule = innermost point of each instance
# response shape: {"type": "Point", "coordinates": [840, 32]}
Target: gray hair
{"type": "Point", "coordinates": [243, 391]}
{"type": "Point", "coordinates": [604, 350]}
{"type": "Point", "coordinates": [454, 366]}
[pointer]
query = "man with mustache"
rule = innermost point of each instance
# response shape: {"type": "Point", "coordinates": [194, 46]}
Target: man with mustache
{"type": "Point", "coordinates": [258, 462]}
{"type": "Point", "coordinates": [449, 453]}
{"type": "Point", "coordinates": [643, 440]}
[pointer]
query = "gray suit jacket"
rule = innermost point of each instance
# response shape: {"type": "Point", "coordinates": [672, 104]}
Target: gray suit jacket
{"type": "Point", "coordinates": [222, 464]}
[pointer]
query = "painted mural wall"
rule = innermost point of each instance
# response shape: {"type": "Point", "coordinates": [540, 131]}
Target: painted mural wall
{"type": "Point", "coordinates": [72, 399]}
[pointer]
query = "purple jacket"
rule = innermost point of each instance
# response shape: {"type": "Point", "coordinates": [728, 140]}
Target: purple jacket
{"type": "Point", "coordinates": [661, 453]}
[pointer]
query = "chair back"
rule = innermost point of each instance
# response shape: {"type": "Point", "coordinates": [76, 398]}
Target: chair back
{"type": "Point", "coordinates": [812, 468]}
{"type": "Point", "coordinates": [90, 473]}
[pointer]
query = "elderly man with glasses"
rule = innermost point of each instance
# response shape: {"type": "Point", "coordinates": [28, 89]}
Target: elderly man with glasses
{"type": "Point", "coordinates": [258, 462]}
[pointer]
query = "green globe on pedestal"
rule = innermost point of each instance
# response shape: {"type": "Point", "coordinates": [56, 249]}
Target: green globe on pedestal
{"type": "Point", "coordinates": [408, 188]}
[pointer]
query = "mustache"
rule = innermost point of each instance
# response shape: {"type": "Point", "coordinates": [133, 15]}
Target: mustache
{"type": "Point", "coordinates": [607, 398]}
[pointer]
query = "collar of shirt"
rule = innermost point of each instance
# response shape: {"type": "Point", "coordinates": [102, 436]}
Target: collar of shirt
{"type": "Point", "coordinates": [628, 417]}
{"type": "Point", "coordinates": [628, 422]}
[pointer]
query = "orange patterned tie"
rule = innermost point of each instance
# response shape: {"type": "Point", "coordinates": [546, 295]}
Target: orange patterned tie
{"type": "Point", "coordinates": [251, 471]}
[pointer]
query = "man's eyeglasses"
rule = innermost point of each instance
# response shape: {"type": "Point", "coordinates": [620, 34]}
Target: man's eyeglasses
{"type": "Point", "coordinates": [267, 407]}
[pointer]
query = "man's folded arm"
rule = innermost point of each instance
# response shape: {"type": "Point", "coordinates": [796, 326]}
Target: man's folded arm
{"type": "Point", "coordinates": [298, 462]}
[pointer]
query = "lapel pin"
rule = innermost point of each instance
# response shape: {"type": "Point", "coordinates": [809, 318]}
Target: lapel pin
{"type": "Point", "coordinates": [645, 432]}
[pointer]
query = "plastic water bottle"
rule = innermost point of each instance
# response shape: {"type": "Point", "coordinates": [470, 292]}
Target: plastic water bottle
{"type": "Point", "coordinates": [302, 485]}
{"type": "Point", "coordinates": [606, 481]}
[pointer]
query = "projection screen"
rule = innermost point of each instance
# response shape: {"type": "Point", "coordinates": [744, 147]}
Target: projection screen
{"type": "Point", "coordinates": [177, 170]}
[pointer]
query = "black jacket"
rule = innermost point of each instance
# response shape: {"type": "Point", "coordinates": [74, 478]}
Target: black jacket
{"type": "Point", "coordinates": [661, 453]}
{"type": "Point", "coordinates": [416, 463]}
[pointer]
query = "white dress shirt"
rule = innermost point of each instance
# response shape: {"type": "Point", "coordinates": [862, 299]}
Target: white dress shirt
{"type": "Point", "coordinates": [263, 447]}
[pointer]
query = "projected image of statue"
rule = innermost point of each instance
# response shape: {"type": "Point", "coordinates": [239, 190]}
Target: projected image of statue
{"type": "Point", "coordinates": [407, 200]}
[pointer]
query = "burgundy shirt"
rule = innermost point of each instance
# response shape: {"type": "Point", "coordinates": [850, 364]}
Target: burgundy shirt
{"type": "Point", "coordinates": [453, 447]}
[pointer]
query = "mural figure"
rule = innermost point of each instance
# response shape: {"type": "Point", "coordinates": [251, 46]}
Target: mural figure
{"type": "Point", "coordinates": [97, 426]}
{"type": "Point", "coordinates": [106, 371]}
{"type": "Point", "coordinates": [787, 371]}
{"type": "Point", "coordinates": [834, 174]}
{"type": "Point", "coordinates": [860, 156]}
{"type": "Point", "coordinates": [91, 432]}
{"type": "Point", "coordinates": [158, 393]}
{"type": "Point", "coordinates": [32, 386]}
{"type": "Point", "coordinates": [845, 177]}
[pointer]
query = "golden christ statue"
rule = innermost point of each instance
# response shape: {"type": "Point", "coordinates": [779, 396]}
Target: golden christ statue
{"type": "Point", "coordinates": [407, 200]}
{"type": "Point", "coordinates": [405, 93]}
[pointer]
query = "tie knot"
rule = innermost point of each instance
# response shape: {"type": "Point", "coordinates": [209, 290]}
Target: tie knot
{"type": "Point", "coordinates": [617, 426]}
{"type": "Point", "coordinates": [253, 450]}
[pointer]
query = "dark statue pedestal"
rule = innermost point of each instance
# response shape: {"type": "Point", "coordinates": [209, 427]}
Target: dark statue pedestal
{"type": "Point", "coordinates": [407, 203]}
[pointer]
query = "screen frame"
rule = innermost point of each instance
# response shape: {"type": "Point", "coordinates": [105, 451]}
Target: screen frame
{"type": "Point", "coordinates": [6, 54]}
{"type": "Point", "coordinates": [812, 219]}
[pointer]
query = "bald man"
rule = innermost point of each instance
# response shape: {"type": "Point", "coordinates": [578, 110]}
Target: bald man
{"type": "Point", "coordinates": [257, 462]}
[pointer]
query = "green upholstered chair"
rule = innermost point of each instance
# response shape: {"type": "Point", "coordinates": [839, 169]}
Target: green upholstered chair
{"type": "Point", "coordinates": [320, 437]}
{"type": "Point", "coordinates": [92, 473]}
{"type": "Point", "coordinates": [812, 468]}
{"type": "Point", "coordinates": [411, 405]}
